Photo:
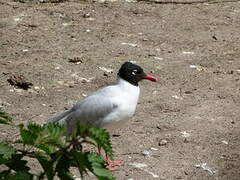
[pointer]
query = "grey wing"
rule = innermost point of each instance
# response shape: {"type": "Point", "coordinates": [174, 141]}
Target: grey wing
{"type": "Point", "coordinates": [90, 111]}
{"type": "Point", "coordinates": [59, 117]}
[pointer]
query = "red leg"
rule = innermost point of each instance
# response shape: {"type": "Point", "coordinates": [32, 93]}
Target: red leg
{"type": "Point", "coordinates": [111, 164]}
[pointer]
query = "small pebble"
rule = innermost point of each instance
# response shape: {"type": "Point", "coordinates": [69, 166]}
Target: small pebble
{"type": "Point", "coordinates": [65, 24]}
{"type": "Point", "coordinates": [224, 142]}
{"type": "Point", "coordinates": [186, 140]}
{"type": "Point", "coordinates": [146, 153]}
{"type": "Point", "coordinates": [197, 67]}
{"type": "Point", "coordinates": [177, 97]}
{"type": "Point", "coordinates": [131, 1]}
{"type": "Point", "coordinates": [154, 149]}
{"type": "Point", "coordinates": [129, 44]}
{"type": "Point", "coordinates": [31, 91]}
{"type": "Point", "coordinates": [185, 134]}
{"type": "Point", "coordinates": [155, 92]}
{"type": "Point", "coordinates": [60, 82]}
{"type": "Point", "coordinates": [187, 52]}
{"type": "Point", "coordinates": [158, 58]}
{"type": "Point", "coordinates": [163, 142]}
{"type": "Point", "coordinates": [87, 15]}
{"type": "Point", "coordinates": [17, 19]}
{"type": "Point", "coordinates": [138, 165]}
{"type": "Point", "coordinates": [107, 70]}
{"type": "Point", "coordinates": [91, 19]}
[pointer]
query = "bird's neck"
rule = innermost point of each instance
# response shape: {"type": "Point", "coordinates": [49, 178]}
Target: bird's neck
{"type": "Point", "coordinates": [129, 93]}
{"type": "Point", "coordinates": [126, 85]}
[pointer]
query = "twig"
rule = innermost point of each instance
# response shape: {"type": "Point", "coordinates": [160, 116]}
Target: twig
{"type": "Point", "coordinates": [27, 153]}
{"type": "Point", "coordinates": [189, 2]}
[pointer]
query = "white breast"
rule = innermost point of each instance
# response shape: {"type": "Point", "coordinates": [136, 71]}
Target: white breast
{"type": "Point", "coordinates": [107, 107]}
{"type": "Point", "coordinates": [126, 97]}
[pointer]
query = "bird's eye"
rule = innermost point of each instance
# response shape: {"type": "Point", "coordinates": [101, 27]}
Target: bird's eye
{"type": "Point", "coordinates": [134, 72]}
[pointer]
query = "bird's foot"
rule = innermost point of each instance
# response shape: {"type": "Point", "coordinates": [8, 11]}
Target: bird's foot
{"type": "Point", "coordinates": [111, 164]}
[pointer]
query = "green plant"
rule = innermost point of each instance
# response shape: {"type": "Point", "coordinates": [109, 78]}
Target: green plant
{"type": "Point", "coordinates": [54, 151]}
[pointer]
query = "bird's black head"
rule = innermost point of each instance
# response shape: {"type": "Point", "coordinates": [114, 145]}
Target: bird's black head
{"type": "Point", "coordinates": [133, 73]}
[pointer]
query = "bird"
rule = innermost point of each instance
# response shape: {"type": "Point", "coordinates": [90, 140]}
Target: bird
{"type": "Point", "coordinates": [109, 107]}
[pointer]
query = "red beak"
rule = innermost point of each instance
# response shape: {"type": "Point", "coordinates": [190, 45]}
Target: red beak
{"type": "Point", "coordinates": [150, 78]}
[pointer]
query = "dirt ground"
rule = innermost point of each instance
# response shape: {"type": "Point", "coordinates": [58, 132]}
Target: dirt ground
{"type": "Point", "coordinates": [186, 126]}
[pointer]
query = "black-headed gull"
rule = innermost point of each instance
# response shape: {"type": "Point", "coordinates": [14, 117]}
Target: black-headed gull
{"type": "Point", "coordinates": [108, 107]}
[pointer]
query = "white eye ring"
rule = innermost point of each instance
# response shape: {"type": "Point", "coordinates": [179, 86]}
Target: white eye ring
{"type": "Point", "coordinates": [134, 72]}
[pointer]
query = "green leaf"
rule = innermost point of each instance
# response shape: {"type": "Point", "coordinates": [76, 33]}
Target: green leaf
{"type": "Point", "coordinates": [30, 134]}
{"type": "Point", "coordinates": [82, 131]}
{"type": "Point", "coordinates": [4, 174]}
{"type": "Point", "coordinates": [6, 151]}
{"type": "Point", "coordinates": [98, 167]}
{"type": "Point", "coordinates": [102, 173]}
{"type": "Point", "coordinates": [17, 164]}
{"type": "Point", "coordinates": [51, 138]}
{"type": "Point", "coordinates": [21, 175]}
{"type": "Point", "coordinates": [55, 130]}
{"type": "Point", "coordinates": [48, 148]}
{"type": "Point", "coordinates": [97, 159]}
{"type": "Point", "coordinates": [4, 161]}
{"type": "Point", "coordinates": [54, 134]}
{"type": "Point", "coordinates": [62, 168]}
{"type": "Point", "coordinates": [99, 135]}
{"type": "Point", "coordinates": [81, 160]}
{"type": "Point", "coordinates": [34, 128]}
{"type": "Point", "coordinates": [4, 118]}
{"type": "Point", "coordinates": [66, 175]}
{"type": "Point", "coordinates": [91, 162]}
{"type": "Point", "coordinates": [46, 163]}
{"type": "Point", "coordinates": [48, 137]}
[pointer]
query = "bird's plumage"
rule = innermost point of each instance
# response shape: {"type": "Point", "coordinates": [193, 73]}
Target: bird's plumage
{"type": "Point", "coordinates": [103, 108]}
{"type": "Point", "coordinates": [108, 107]}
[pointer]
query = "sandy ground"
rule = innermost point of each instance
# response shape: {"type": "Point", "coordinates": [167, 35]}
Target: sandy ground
{"type": "Point", "coordinates": [186, 126]}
